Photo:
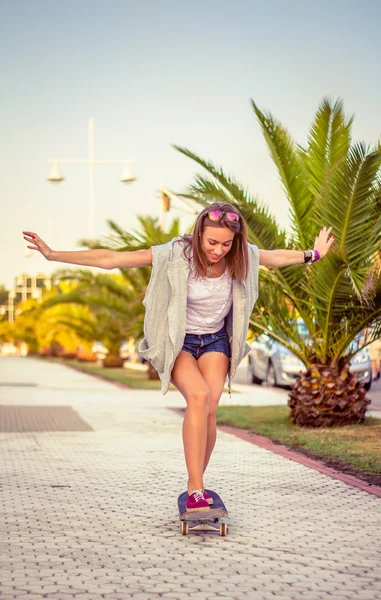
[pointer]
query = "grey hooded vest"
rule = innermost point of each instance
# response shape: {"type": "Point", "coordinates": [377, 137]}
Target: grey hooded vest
{"type": "Point", "coordinates": [165, 302]}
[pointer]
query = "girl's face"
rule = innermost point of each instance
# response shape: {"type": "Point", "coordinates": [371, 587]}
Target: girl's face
{"type": "Point", "coordinates": [216, 243]}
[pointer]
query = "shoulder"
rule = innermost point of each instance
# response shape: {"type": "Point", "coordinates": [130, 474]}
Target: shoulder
{"type": "Point", "coordinates": [169, 251]}
{"type": "Point", "coordinates": [253, 252]}
{"type": "Point", "coordinates": [253, 271]}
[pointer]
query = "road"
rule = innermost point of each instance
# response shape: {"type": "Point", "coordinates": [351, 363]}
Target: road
{"type": "Point", "coordinates": [374, 393]}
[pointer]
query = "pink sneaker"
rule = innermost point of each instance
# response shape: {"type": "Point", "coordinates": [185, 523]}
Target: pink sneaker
{"type": "Point", "coordinates": [196, 502]}
{"type": "Point", "coordinates": [208, 498]}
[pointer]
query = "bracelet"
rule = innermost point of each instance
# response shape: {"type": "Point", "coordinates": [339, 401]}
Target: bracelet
{"type": "Point", "coordinates": [308, 256]}
{"type": "Point", "coordinates": [311, 256]}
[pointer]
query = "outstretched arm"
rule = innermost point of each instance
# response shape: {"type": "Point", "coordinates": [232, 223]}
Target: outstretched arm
{"type": "Point", "coordinates": [283, 258]}
{"type": "Point", "coordinates": [104, 259]}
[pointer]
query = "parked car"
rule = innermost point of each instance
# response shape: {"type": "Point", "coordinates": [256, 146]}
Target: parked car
{"type": "Point", "coordinates": [273, 363]}
{"type": "Point", "coordinates": [8, 349]}
{"type": "Point", "coordinates": [124, 350]}
{"type": "Point", "coordinates": [99, 350]}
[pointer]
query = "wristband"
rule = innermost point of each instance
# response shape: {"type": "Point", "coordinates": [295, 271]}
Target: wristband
{"type": "Point", "coordinates": [308, 256]}
{"type": "Point", "coordinates": [311, 256]}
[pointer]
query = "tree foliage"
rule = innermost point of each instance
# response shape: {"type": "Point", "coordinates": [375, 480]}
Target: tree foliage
{"type": "Point", "coordinates": [327, 181]}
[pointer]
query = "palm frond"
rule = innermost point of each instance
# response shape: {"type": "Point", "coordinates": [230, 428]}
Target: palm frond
{"type": "Point", "coordinates": [262, 227]}
{"type": "Point", "coordinates": [328, 182]}
{"type": "Point", "coordinates": [149, 234]}
{"type": "Point", "coordinates": [235, 192]}
{"type": "Point", "coordinates": [350, 206]}
{"type": "Point", "coordinates": [291, 170]}
{"type": "Point", "coordinates": [328, 145]}
{"type": "Point", "coordinates": [85, 330]}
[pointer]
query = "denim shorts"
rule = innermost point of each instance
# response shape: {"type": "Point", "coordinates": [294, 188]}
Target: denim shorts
{"type": "Point", "coordinates": [197, 345]}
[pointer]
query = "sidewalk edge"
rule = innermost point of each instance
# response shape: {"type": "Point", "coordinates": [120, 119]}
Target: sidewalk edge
{"type": "Point", "coordinates": [267, 444]}
{"type": "Point", "coordinates": [118, 384]}
{"type": "Point", "coordinates": [315, 464]}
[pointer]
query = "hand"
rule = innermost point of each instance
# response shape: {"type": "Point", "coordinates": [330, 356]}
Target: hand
{"type": "Point", "coordinates": [38, 244]}
{"type": "Point", "coordinates": [323, 241]}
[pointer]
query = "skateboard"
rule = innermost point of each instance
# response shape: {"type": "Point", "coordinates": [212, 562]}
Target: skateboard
{"type": "Point", "coordinates": [213, 519]}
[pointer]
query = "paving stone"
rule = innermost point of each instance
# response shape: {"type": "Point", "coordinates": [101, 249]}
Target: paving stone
{"type": "Point", "coordinates": [60, 595]}
{"type": "Point", "coordinates": [121, 596]}
{"type": "Point", "coordinates": [146, 596]}
{"type": "Point", "coordinates": [280, 596]}
{"type": "Point", "coordinates": [176, 595]}
{"type": "Point", "coordinates": [34, 597]}
{"type": "Point", "coordinates": [78, 507]}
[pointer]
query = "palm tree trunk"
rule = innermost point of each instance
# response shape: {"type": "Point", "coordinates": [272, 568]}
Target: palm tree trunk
{"type": "Point", "coordinates": [327, 396]}
{"type": "Point", "coordinates": [152, 373]}
{"type": "Point", "coordinates": [113, 361]}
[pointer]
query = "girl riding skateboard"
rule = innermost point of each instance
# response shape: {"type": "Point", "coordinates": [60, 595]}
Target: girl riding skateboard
{"type": "Point", "coordinates": [200, 297]}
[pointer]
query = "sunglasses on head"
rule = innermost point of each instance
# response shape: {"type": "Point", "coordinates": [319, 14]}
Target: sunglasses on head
{"type": "Point", "coordinates": [216, 215]}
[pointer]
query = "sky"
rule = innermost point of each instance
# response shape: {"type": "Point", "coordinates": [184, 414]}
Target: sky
{"type": "Point", "coordinates": [153, 74]}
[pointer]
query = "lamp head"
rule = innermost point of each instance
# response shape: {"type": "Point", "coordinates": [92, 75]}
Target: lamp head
{"type": "Point", "coordinates": [55, 174]}
{"type": "Point", "coordinates": [127, 176]}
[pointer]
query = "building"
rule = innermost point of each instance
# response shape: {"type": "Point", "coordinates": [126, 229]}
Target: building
{"type": "Point", "coordinates": [25, 287]}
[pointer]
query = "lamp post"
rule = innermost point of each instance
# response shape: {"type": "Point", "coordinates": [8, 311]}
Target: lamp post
{"type": "Point", "coordinates": [11, 306]}
{"type": "Point", "coordinates": [56, 176]}
{"type": "Point", "coordinates": [168, 199]}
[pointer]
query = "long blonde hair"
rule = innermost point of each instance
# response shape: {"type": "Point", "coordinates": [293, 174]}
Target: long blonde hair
{"type": "Point", "coordinates": [237, 259]}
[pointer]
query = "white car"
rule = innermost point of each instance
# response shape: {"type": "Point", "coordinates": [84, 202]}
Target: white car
{"type": "Point", "coordinates": [124, 350]}
{"type": "Point", "coordinates": [99, 349]}
{"type": "Point", "coordinates": [8, 349]}
{"type": "Point", "coordinates": [271, 362]}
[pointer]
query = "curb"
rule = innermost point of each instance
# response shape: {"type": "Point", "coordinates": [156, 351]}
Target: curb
{"type": "Point", "coordinates": [311, 463]}
{"type": "Point", "coordinates": [267, 444]}
{"type": "Point", "coordinates": [119, 384]}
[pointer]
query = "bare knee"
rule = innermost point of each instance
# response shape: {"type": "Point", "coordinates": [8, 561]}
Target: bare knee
{"type": "Point", "coordinates": [199, 400]}
{"type": "Point", "coordinates": [213, 405]}
{"type": "Point", "coordinates": [212, 414]}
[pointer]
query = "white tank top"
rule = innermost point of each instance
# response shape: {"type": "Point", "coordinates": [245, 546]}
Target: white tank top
{"type": "Point", "coordinates": [209, 299]}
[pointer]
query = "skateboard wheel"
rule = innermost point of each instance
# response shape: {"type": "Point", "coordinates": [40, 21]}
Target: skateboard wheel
{"type": "Point", "coordinates": [184, 528]}
{"type": "Point", "coordinates": [223, 529]}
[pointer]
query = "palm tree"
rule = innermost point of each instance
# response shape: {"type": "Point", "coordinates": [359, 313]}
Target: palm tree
{"type": "Point", "coordinates": [40, 327]}
{"type": "Point", "coordinates": [109, 300]}
{"type": "Point", "coordinates": [328, 181]}
{"type": "Point", "coordinates": [136, 280]}
{"type": "Point", "coordinates": [115, 300]}
{"type": "Point", "coordinates": [150, 234]}
{"type": "Point", "coordinates": [130, 287]}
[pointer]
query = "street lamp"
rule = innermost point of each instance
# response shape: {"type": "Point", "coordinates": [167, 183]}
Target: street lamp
{"type": "Point", "coordinates": [11, 305]}
{"type": "Point", "coordinates": [56, 175]}
{"type": "Point", "coordinates": [168, 199]}
{"type": "Point", "coordinates": [127, 176]}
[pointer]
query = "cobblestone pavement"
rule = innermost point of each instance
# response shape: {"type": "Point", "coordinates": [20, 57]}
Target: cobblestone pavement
{"type": "Point", "coordinates": [92, 514]}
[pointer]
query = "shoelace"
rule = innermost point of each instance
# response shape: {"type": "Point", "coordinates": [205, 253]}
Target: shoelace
{"type": "Point", "coordinates": [198, 495]}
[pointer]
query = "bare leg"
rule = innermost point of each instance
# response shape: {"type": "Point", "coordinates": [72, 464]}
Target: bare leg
{"type": "Point", "coordinates": [189, 381]}
{"type": "Point", "coordinates": [214, 367]}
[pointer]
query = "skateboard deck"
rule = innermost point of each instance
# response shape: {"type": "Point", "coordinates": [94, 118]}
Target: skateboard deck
{"type": "Point", "coordinates": [213, 519]}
